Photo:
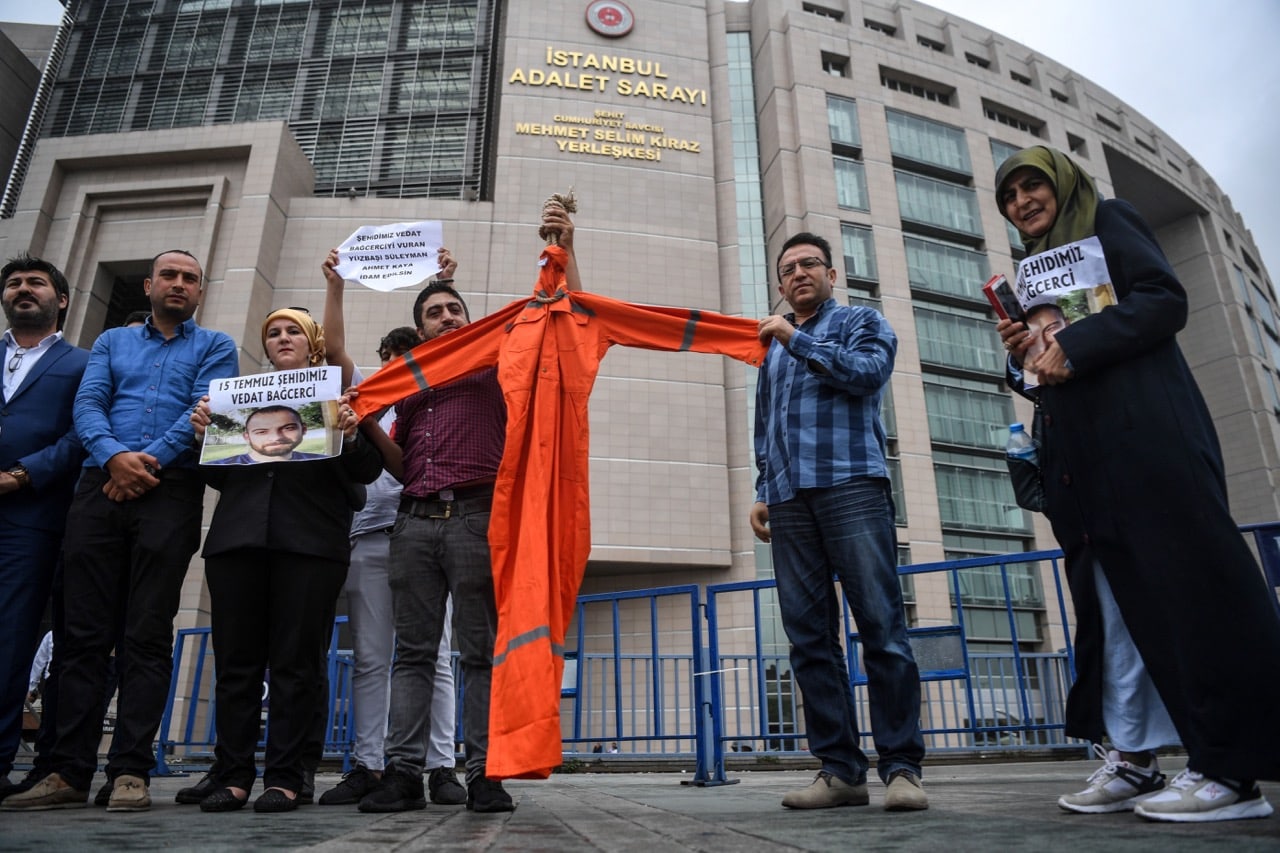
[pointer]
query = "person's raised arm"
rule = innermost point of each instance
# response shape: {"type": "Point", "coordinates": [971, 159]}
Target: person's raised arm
{"type": "Point", "coordinates": [335, 333]}
{"type": "Point", "coordinates": [556, 219]}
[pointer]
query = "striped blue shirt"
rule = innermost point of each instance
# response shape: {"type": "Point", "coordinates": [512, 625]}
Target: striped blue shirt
{"type": "Point", "coordinates": [818, 403]}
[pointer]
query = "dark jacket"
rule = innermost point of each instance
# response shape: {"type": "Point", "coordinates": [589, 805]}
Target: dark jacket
{"type": "Point", "coordinates": [1134, 479]}
{"type": "Point", "coordinates": [36, 431]}
{"type": "Point", "coordinates": [293, 507]}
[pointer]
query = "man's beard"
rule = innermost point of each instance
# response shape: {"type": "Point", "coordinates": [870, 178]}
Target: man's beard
{"type": "Point", "coordinates": [29, 320]}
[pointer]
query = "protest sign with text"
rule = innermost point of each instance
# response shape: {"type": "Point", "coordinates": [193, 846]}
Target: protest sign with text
{"type": "Point", "coordinates": [388, 257]}
{"type": "Point", "coordinates": [1059, 287]}
{"type": "Point", "coordinates": [282, 416]}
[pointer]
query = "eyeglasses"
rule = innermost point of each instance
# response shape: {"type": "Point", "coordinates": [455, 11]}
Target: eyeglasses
{"type": "Point", "coordinates": [16, 360]}
{"type": "Point", "coordinates": [299, 308]}
{"type": "Point", "coordinates": [787, 270]}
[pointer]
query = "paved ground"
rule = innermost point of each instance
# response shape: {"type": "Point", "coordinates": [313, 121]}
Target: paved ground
{"type": "Point", "coordinates": [979, 807]}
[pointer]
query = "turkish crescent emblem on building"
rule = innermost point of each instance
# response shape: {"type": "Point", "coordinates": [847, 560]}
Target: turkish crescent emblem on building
{"type": "Point", "coordinates": [610, 18]}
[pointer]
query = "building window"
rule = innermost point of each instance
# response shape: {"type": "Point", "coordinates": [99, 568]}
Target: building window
{"type": "Point", "coordinates": [1174, 166]}
{"type": "Point", "coordinates": [929, 142]}
{"type": "Point", "coordinates": [851, 184]}
{"type": "Point", "coordinates": [984, 586]}
{"type": "Point", "coordinates": [1059, 97]}
{"type": "Point", "coordinates": [953, 338]}
{"type": "Point", "coordinates": [859, 253]}
{"type": "Point", "coordinates": [842, 121]}
{"type": "Point", "coordinates": [1250, 262]}
{"type": "Point", "coordinates": [980, 61]}
{"type": "Point", "coordinates": [1262, 307]}
{"type": "Point", "coordinates": [1076, 144]}
{"type": "Point", "coordinates": [350, 79]}
{"type": "Point", "coordinates": [918, 86]}
{"type": "Point", "coordinates": [1001, 151]}
{"type": "Point", "coordinates": [835, 65]}
{"type": "Point", "coordinates": [1019, 78]}
{"type": "Point", "coordinates": [945, 268]}
{"type": "Point", "coordinates": [899, 494]}
{"type": "Point", "coordinates": [876, 26]}
{"type": "Point", "coordinates": [967, 413]}
{"type": "Point", "coordinates": [1012, 118]}
{"type": "Point", "coordinates": [1243, 284]}
{"type": "Point", "coordinates": [822, 11]}
{"type": "Point", "coordinates": [1231, 244]}
{"type": "Point", "coordinates": [974, 493]}
{"type": "Point", "coordinates": [1106, 122]}
{"type": "Point", "coordinates": [939, 204]}
{"type": "Point", "coordinates": [936, 46]}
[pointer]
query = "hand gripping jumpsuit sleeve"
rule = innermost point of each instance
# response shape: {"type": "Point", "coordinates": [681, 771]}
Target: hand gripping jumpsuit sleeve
{"type": "Point", "coordinates": [548, 353]}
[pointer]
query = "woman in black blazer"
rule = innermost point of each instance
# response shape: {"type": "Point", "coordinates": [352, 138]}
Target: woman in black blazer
{"type": "Point", "coordinates": [275, 558]}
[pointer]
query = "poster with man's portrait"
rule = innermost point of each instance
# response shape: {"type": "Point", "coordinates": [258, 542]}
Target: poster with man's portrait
{"type": "Point", "coordinates": [283, 416]}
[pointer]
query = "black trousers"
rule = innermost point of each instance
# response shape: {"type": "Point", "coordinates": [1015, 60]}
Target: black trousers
{"type": "Point", "coordinates": [269, 609]}
{"type": "Point", "coordinates": [125, 558]}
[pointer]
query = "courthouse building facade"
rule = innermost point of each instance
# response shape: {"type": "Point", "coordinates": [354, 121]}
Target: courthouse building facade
{"type": "Point", "coordinates": [698, 135]}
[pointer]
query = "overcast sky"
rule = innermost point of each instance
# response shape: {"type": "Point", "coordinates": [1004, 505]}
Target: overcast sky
{"type": "Point", "coordinates": [1208, 75]}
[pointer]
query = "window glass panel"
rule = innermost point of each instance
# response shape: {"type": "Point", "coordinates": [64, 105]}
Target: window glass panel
{"type": "Point", "coordinates": [977, 495]}
{"type": "Point", "coordinates": [851, 184]}
{"type": "Point", "coordinates": [938, 203]}
{"type": "Point", "coordinates": [431, 26]}
{"type": "Point", "coordinates": [927, 141]}
{"type": "Point", "coordinates": [897, 490]}
{"type": "Point", "coordinates": [946, 268]}
{"type": "Point", "coordinates": [859, 252]}
{"type": "Point", "coordinates": [951, 340]}
{"type": "Point", "coordinates": [842, 119]}
{"type": "Point", "coordinates": [966, 416]}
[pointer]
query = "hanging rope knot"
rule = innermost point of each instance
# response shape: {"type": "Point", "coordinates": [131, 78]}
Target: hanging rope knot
{"type": "Point", "coordinates": [569, 202]}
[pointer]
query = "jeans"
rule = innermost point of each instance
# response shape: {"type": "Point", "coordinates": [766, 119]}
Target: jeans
{"type": "Point", "coordinates": [847, 530]}
{"type": "Point", "coordinates": [431, 560]}
{"type": "Point", "coordinates": [373, 637]}
{"type": "Point", "coordinates": [128, 557]}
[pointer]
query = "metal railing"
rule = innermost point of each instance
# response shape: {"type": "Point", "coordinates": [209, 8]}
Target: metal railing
{"type": "Point", "coordinates": [696, 674]}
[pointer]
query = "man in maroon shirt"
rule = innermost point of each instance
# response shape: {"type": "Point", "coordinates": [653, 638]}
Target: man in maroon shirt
{"type": "Point", "coordinates": [451, 439]}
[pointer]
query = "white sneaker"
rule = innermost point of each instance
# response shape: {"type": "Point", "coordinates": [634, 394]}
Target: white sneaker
{"type": "Point", "coordinates": [1192, 796]}
{"type": "Point", "coordinates": [1116, 786]}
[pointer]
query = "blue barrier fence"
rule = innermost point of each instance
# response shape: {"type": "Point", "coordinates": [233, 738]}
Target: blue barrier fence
{"type": "Point", "coordinates": [701, 673]}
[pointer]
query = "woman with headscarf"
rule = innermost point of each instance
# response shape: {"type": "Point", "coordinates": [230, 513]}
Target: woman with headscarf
{"type": "Point", "coordinates": [275, 558]}
{"type": "Point", "coordinates": [1136, 493]}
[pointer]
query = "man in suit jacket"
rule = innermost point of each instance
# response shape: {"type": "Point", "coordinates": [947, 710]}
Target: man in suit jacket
{"type": "Point", "coordinates": [40, 458]}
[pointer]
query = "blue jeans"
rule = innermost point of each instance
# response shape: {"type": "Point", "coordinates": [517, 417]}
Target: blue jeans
{"type": "Point", "coordinates": [847, 530]}
{"type": "Point", "coordinates": [431, 559]}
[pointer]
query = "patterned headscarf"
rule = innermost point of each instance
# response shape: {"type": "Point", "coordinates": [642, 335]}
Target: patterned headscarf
{"type": "Point", "coordinates": [1076, 194]}
{"type": "Point", "coordinates": [313, 330]}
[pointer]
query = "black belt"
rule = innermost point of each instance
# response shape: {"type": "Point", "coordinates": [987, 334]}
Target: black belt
{"type": "Point", "coordinates": [446, 502]}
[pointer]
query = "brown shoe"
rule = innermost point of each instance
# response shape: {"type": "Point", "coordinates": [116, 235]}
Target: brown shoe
{"type": "Point", "coordinates": [905, 794]}
{"type": "Point", "coordinates": [129, 794]}
{"type": "Point", "coordinates": [826, 792]}
{"type": "Point", "coordinates": [51, 792]}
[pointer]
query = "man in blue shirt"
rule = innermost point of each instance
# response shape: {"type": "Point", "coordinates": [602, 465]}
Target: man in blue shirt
{"type": "Point", "coordinates": [824, 504]}
{"type": "Point", "coordinates": [137, 513]}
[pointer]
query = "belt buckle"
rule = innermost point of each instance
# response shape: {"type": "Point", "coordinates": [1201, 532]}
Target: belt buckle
{"type": "Point", "coordinates": [446, 498]}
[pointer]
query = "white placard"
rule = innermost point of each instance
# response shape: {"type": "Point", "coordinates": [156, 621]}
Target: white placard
{"type": "Point", "coordinates": [388, 257]}
{"type": "Point", "coordinates": [282, 416]}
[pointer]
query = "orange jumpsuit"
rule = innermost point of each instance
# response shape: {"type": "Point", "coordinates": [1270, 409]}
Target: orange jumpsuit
{"type": "Point", "coordinates": [548, 353]}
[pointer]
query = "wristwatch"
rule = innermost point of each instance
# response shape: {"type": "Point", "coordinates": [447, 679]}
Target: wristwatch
{"type": "Point", "coordinates": [19, 473]}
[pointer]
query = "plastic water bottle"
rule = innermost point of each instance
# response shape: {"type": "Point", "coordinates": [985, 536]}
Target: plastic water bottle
{"type": "Point", "coordinates": [1021, 445]}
